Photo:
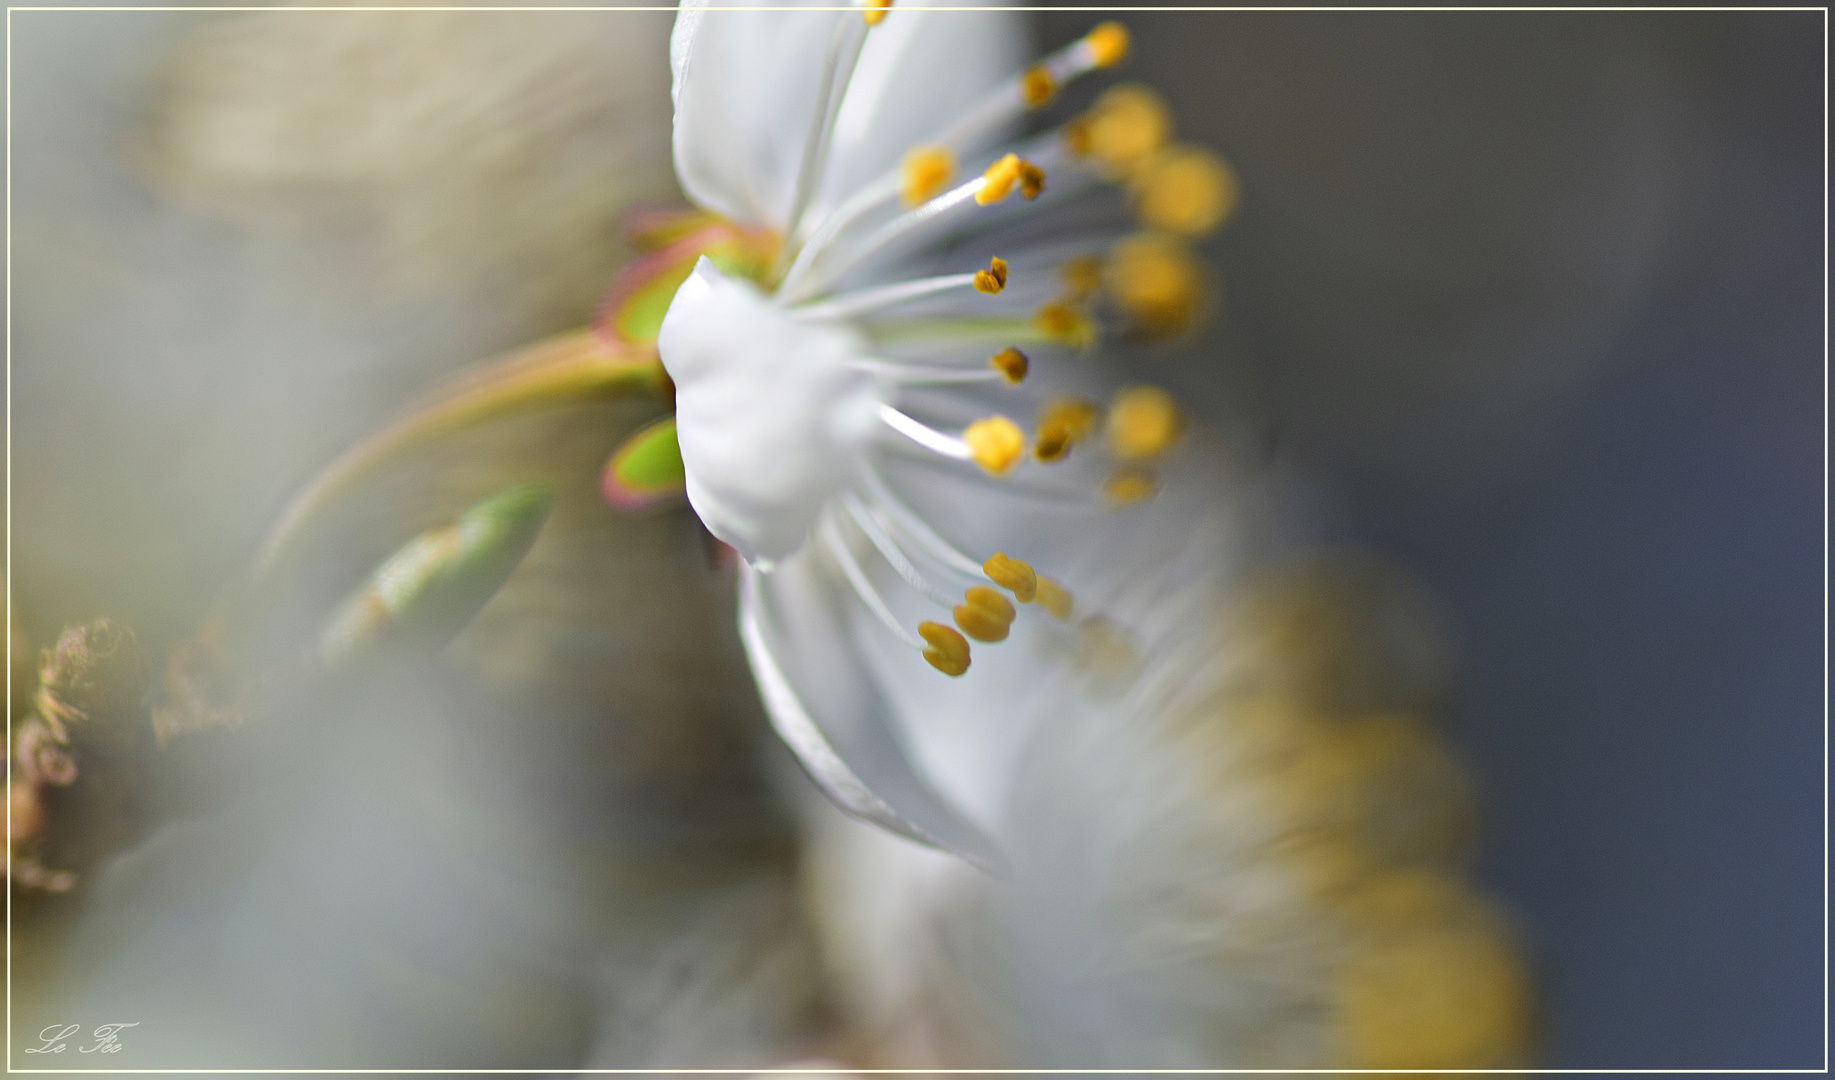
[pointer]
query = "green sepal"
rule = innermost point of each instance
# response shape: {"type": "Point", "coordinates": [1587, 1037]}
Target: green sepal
{"type": "Point", "coordinates": [646, 469]}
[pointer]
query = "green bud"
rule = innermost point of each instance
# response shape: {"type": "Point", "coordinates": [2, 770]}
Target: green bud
{"type": "Point", "coordinates": [430, 589]}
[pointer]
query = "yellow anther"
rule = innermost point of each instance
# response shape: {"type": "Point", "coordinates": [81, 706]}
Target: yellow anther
{"type": "Point", "coordinates": [995, 444]}
{"type": "Point", "coordinates": [1129, 484]}
{"type": "Point", "coordinates": [1157, 282]}
{"type": "Point", "coordinates": [1186, 189]}
{"type": "Point", "coordinates": [1108, 44]}
{"type": "Point", "coordinates": [1082, 277]}
{"type": "Point", "coordinates": [1064, 324]}
{"type": "Point", "coordinates": [1037, 87]}
{"type": "Point", "coordinates": [984, 614]}
{"type": "Point", "coordinates": [1079, 136]}
{"type": "Point", "coordinates": [1126, 125]}
{"type": "Point", "coordinates": [1063, 423]}
{"type": "Point", "coordinates": [1143, 422]}
{"type": "Point", "coordinates": [924, 172]}
{"type": "Point", "coordinates": [1012, 365]}
{"type": "Point", "coordinates": [948, 651]}
{"type": "Point", "coordinates": [997, 182]}
{"type": "Point", "coordinates": [1055, 598]}
{"type": "Point", "coordinates": [994, 278]}
{"type": "Point", "coordinates": [875, 11]}
{"type": "Point", "coordinates": [1031, 180]}
{"type": "Point", "coordinates": [1012, 575]}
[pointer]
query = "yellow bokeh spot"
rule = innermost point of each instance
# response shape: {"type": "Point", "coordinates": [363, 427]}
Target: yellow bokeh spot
{"type": "Point", "coordinates": [1105, 650]}
{"type": "Point", "coordinates": [1037, 87]}
{"type": "Point", "coordinates": [995, 443]}
{"type": "Point", "coordinates": [1012, 365]}
{"type": "Point", "coordinates": [1129, 484]}
{"type": "Point", "coordinates": [1064, 324]}
{"type": "Point", "coordinates": [1143, 423]}
{"type": "Point", "coordinates": [1055, 598]}
{"type": "Point", "coordinates": [1063, 422]}
{"type": "Point", "coordinates": [924, 172]}
{"type": "Point", "coordinates": [1185, 189]}
{"type": "Point", "coordinates": [1082, 277]}
{"type": "Point", "coordinates": [946, 649]}
{"type": "Point", "coordinates": [1123, 129]}
{"type": "Point", "coordinates": [984, 614]}
{"type": "Point", "coordinates": [1012, 575]}
{"type": "Point", "coordinates": [1108, 44]}
{"type": "Point", "coordinates": [1157, 283]}
{"type": "Point", "coordinates": [1436, 997]}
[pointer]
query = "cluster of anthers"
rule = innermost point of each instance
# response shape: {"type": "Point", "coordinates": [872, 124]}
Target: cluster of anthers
{"type": "Point", "coordinates": [812, 365]}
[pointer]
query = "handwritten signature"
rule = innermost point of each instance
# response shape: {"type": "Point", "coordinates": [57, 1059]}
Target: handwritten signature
{"type": "Point", "coordinates": [57, 1036]}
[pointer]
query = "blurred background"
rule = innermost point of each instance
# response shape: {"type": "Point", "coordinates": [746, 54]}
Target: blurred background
{"type": "Point", "coordinates": [1532, 300]}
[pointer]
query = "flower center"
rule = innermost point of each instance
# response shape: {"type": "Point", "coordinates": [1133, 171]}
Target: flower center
{"type": "Point", "coordinates": [794, 405]}
{"type": "Point", "coordinates": [771, 411]}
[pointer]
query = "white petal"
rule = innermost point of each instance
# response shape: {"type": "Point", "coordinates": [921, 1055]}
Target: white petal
{"type": "Point", "coordinates": [770, 412]}
{"type": "Point", "coordinates": [746, 83]}
{"type": "Point", "coordinates": [920, 71]}
{"type": "Point", "coordinates": [828, 710]}
{"type": "Point", "coordinates": [745, 91]}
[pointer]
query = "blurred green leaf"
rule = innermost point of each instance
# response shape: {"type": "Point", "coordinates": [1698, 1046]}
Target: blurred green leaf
{"type": "Point", "coordinates": [430, 589]}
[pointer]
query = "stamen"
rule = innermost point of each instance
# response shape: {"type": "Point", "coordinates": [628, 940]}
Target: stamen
{"type": "Point", "coordinates": [1185, 189]}
{"type": "Point", "coordinates": [1063, 423]}
{"type": "Point", "coordinates": [993, 279]}
{"type": "Point", "coordinates": [997, 182]}
{"type": "Point", "coordinates": [1055, 598]}
{"type": "Point", "coordinates": [907, 521]}
{"type": "Point", "coordinates": [1012, 575]}
{"type": "Point", "coordinates": [1065, 325]}
{"type": "Point", "coordinates": [874, 12]}
{"type": "Point", "coordinates": [1157, 282]}
{"type": "Point", "coordinates": [1037, 87]}
{"type": "Point", "coordinates": [1129, 484]}
{"type": "Point", "coordinates": [924, 172]}
{"type": "Point", "coordinates": [866, 300]}
{"type": "Point", "coordinates": [1143, 422]}
{"type": "Point", "coordinates": [995, 444]}
{"type": "Point", "coordinates": [919, 374]}
{"type": "Point", "coordinates": [803, 280]}
{"type": "Point", "coordinates": [984, 614]}
{"type": "Point", "coordinates": [831, 536]}
{"type": "Point", "coordinates": [927, 437]}
{"type": "Point", "coordinates": [890, 550]}
{"type": "Point", "coordinates": [946, 651]}
{"type": "Point", "coordinates": [1073, 330]}
{"type": "Point", "coordinates": [1107, 44]}
{"type": "Point", "coordinates": [1031, 180]}
{"type": "Point", "coordinates": [1011, 364]}
{"type": "Point", "coordinates": [1126, 125]}
{"type": "Point", "coordinates": [1102, 47]}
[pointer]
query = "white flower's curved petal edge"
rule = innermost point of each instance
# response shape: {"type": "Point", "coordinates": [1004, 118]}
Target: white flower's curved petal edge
{"type": "Point", "coordinates": [746, 84]}
{"type": "Point", "coordinates": [920, 69]}
{"type": "Point", "coordinates": [829, 711]}
{"type": "Point", "coordinates": [764, 441]}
